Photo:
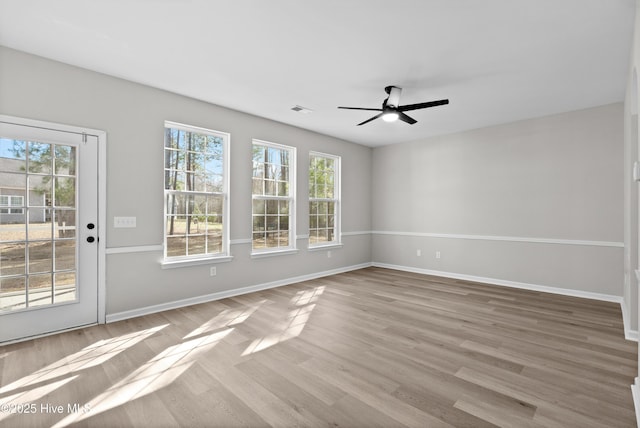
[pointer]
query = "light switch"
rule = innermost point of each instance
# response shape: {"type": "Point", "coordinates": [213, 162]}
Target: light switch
{"type": "Point", "coordinates": [129, 222]}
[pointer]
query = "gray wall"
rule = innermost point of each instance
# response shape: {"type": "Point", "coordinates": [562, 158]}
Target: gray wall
{"type": "Point", "coordinates": [486, 198]}
{"type": "Point", "coordinates": [537, 202]}
{"type": "Point", "coordinates": [133, 116]}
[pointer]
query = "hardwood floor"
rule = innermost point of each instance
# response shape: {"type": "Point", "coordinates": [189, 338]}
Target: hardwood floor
{"type": "Point", "coordinates": [369, 348]}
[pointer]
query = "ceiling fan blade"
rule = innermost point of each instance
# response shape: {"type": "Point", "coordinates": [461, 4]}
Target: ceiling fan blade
{"type": "Point", "coordinates": [403, 117]}
{"type": "Point", "coordinates": [373, 118]}
{"type": "Point", "coordinates": [361, 108]}
{"type": "Point", "coordinates": [409, 107]}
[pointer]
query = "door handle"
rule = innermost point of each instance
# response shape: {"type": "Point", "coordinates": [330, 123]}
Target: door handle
{"type": "Point", "coordinates": [90, 239]}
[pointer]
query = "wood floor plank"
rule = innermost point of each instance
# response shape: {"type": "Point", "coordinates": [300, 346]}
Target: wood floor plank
{"type": "Point", "coordinates": [373, 347]}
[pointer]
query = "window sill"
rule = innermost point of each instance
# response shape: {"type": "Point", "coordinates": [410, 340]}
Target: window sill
{"type": "Point", "coordinates": [172, 264]}
{"type": "Point", "coordinates": [325, 247]}
{"type": "Point", "coordinates": [274, 253]}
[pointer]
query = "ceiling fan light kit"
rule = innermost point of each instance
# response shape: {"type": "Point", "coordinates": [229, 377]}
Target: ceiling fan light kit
{"type": "Point", "coordinates": [390, 117]}
{"type": "Point", "coordinates": [392, 110]}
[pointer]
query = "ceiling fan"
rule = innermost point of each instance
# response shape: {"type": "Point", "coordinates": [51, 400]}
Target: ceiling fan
{"type": "Point", "coordinates": [392, 111]}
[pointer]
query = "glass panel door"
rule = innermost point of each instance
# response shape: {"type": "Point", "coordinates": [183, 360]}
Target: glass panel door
{"type": "Point", "coordinates": [48, 230]}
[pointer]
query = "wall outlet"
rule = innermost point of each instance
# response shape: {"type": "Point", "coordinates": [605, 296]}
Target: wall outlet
{"type": "Point", "coordinates": [329, 254]}
{"type": "Point", "coordinates": [437, 254]}
{"type": "Point", "coordinates": [128, 222]}
{"type": "Point", "coordinates": [418, 253]}
{"type": "Point", "coordinates": [212, 271]}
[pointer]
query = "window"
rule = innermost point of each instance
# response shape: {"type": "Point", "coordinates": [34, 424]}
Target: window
{"type": "Point", "coordinates": [8, 202]}
{"type": "Point", "coordinates": [273, 197]}
{"type": "Point", "coordinates": [324, 199]}
{"type": "Point", "coordinates": [196, 193]}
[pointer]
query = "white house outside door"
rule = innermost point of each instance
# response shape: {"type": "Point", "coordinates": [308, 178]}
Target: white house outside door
{"type": "Point", "coordinates": [48, 228]}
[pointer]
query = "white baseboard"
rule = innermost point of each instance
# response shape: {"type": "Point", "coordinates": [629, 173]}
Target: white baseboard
{"type": "Point", "coordinates": [119, 316]}
{"type": "Point", "coordinates": [629, 334]}
{"type": "Point", "coordinates": [635, 392]}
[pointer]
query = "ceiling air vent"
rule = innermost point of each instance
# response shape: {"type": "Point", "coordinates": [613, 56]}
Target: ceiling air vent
{"type": "Point", "coordinates": [301, 109]}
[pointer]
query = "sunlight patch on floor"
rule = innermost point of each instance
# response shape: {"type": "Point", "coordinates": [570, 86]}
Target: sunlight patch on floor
{"type": "Point", "coordinates": [91, 356]}
{"type": "Point", "coordinates": [226, 318]}
{"type": "Point", "coordinates": [30, 396]}
{"type": "Point", "coordinates": [157, 373]}
{"type": "Point", "coordinates": [293, 325]}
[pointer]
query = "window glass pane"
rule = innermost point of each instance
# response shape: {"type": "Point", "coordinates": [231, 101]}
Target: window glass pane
{"type": "Point", "coordinates": [40, 289]}
{"type": "Point", "coordinates": [40, 257]}
{"type": "Point", "coordinates": [283, 239]}
{"type": "Point", "coordinates": [13, 155]}
{"type": "Point", "coordinates": [259, 206]}
{"type": "Point", "coordinates": [65, 160]}
{"type": "Point", "coordinates": [272, 206]}
{"type": "Point", "coordinates": [277, 156]}
{"type": "Point", "coordinates": [13, 259]}
{"type": "Point", "coordinates": [12, 228]}
{"type": "Point", "coordinates": [270, 188]}
{"type": "Point", "coordinates": [329, 164]}
{"type": "Point", "coordinates": [13, 293]}
{"type": "Point", "coordinates": [284, 223]}
{"type": "Point", "coordinates": [40, 159]}
{"type": "Point", "coordinates": [64, 287]}
{"type": "Point", "coordinates": [257, 186]}
{"type": "Point", "coordinates": [272, 222]}
{"type": "Point", "coordinates": [176, 225]}
{"type": "Point", "coordinates": [258, 223]}
{"type": "Point", "coordinates": [39, 226]}
{"type": "Point", "coordinates": [259, 153]}
{"type": "Point", "coordinates": [259, 240]}
{"type": "Point", "coordinates": [176, 246]}
{"type": "Point", "coordinates": [215, 205]}
{"type": "Point", "coordinates": [284, 173]}
{"type": "Point", "coordinates": [65, 255]}
{"type": "Point", "coordinates": [198, 182]}
{"type": "Point", "coordinates": [272, 171]}
{"type": "Point", "coordinates": [258, 170]}
{"type": "Point", "coordinates": [214, 182]}
{"type": "Point", "coordinates": [284, 207]}
{"type": "Point", "coordinates": [40, 191]}
{"type": "Point", "coordinates": [214, 244]}
{"type": "Point", "coordinates": [283, 188]}
{"type": "Point", "coordinates": [173, 159]}
{"type": "Point", "coordinates": [197, 244]}
{"type": "Point", "coordinates": [65, 192]}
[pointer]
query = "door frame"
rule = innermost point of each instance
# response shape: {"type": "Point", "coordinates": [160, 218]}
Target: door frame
{"type": "Point", "coordinates": [102, 196]}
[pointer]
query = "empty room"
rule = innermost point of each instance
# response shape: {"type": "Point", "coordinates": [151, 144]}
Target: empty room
{"type": "Point", "coordinates": [420, 213]}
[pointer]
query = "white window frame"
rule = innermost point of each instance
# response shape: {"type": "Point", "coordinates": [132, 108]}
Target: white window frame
{"type": "Point", "coordinates": [337, 200]}
{"type": "Point", "coordinates": [291, 248]}
{"type": "Point", "coordinates": [10, 206]}
{"type": "Point", "coordinates": [225, 254]}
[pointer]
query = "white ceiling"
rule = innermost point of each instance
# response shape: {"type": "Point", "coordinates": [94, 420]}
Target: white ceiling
{"type": "Point", "coordinates": [497, 61]}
